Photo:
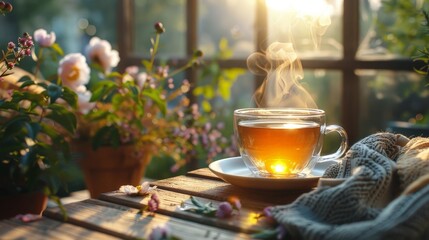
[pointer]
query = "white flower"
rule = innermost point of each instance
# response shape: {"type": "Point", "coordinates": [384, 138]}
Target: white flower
{"type": "Point", "coordinates": [100, 51]}
{"type": "Point", "coordinates": [74, 71]}
{"type": "Point", "coordinates": [133, 71]}
{"type": "Point", "coordinates": [43, 38]}
{"type": "Point", "coordinates": [142, 189]}
{"type": "Point", "coordinates": [83, 97]}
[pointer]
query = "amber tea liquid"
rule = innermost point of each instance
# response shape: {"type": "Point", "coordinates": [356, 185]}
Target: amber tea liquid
{"type": "Point", "coordinates": [281, 148]}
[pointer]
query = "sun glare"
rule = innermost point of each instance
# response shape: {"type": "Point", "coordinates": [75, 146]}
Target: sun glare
{"type": "Point", "coordinates": [301, 7]}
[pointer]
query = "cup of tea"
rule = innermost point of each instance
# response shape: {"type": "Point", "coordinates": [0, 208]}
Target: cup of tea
{"type": "Point", "coordinates": [284, 142]}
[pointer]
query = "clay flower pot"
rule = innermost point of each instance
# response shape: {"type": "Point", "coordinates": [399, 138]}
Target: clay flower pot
{"type": "Point", "coordinates": [108, 168]}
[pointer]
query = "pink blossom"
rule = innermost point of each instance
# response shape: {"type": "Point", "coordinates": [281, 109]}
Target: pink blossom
{"type": "Point", "coordinates": [83, 97]}
{"type": "Point", "coordinates": [153, 203]}
{"type": "Point", "coordinates": [74, 71]}
{"type": "Point", "coordinates": [224, 210]}
{"type": "Point", "coordinates": [100, 51]}
{"type": "Point", "coordinates": [43, 38]}
{"type": "Point", "coordinates": [159, 233]}
{"type": "Point", "coordinates": [28, 217]}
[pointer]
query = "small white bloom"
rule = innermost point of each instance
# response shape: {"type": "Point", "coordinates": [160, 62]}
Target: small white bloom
{"type": "Point", "coordinates": [83, 97]}
{"type": "Point", "coordinates": [128, 189]}
{"type": "Point", "coordinates": [142, 189]}
{"type": "Point", "coordinates": [101, 52]}
{"type": "Point", "coordinates": [74, 71]}
{"type": "Point", "coordinates": [141, 79]}
{"type": "Point", "coordinates": [43, 38]}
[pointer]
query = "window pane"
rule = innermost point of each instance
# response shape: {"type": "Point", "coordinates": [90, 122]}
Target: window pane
{"type": "Point", "coordinates": [391, 28]}
{"type": "Point", "coordinates": [232, 20]}
{"type": "Point", "coordinates": [325, 88]}
{"type": "Point", "coordinates": [172, 14]}
{"type": "Point", "coordinates": [74, 22]}
{"type": "Point", "coordinates": [391, 96]}
{"type": "Point", "coordinates": [313, 26]}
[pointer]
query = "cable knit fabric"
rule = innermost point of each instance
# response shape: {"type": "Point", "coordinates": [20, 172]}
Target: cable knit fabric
{"type": "Point", "coordinates": [368, 204]}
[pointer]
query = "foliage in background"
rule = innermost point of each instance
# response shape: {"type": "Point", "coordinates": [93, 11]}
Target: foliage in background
{"type": "Point", "coordinates": [423, 58]}
{"type": "Point", "coordinates": [35, 119]}
{"type": "Point", "coordinates": [399, 26]}
{"type": "Point", "coordinates": [216, 82]}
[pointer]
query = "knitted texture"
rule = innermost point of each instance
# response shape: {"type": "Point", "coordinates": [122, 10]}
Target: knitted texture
{"type": "Point", "coordinates": [365, 205]}
{"type": "Point", "coordinates": [413, 161]}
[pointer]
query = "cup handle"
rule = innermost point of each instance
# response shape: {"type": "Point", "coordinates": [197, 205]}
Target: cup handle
{"type": "Point", "coordinates": [343, 146]}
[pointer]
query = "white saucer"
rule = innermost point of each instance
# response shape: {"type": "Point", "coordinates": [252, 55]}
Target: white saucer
{"type": "Point", "coordinates": [234, 171]}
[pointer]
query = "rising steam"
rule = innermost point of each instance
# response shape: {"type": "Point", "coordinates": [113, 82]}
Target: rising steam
{"type": "Point", "coordinates": [283, 70]}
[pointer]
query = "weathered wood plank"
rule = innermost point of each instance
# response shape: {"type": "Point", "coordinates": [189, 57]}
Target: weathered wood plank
{"type": "Point", "coordinates": [46, 229]}
{"type": "Point", "coordinates": [220, 191]}
{"type": "Point", "coordinates": [203, 173]}
{"type": "Point", "coordinates": [246, 220]}
{"type": "Point", "coordinates": [129, 223]}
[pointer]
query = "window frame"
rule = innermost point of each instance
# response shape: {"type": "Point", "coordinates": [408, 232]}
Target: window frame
{"type": "Point", "coordinates": [347, 65]}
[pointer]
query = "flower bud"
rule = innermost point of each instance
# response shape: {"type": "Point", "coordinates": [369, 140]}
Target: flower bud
{"type": "Point", "coordinates": [159, 27]}
{"type": "Point", "coordinates": [27, 52]}
{"type": "Point", "coordinates": [29, 43]}
{"type": "Point", "coordinates": [198, 53]}
{"type": "Point", "coordinates": [11, 45]}
{"type": "Point", "coordinates": [10, 65]}
{"type": "Point", "coordinates": [2, 5]}
{"type": "Point", "coordinates": [8, 7]}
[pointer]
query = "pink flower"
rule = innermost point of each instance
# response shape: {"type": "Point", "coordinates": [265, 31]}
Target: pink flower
{"type": "Point", "coordinates": [43, 38]}
{"type": "Point", "coordinates": [153, 203]}
{"type": "Point", "coordinates": [100, 51]}
{"type": "Point", "coordinates": [28, 217]}
{"type": "Point", "coordinates": [83, 97]}
{"type": "Point", "coordinates": [235, 202]}
{"type": "Point", "coordinates": [224, 210]}
{"type": "Point", "coordinates": [74, 71]}
{"type": "Point", "coordinates": [159, 233]}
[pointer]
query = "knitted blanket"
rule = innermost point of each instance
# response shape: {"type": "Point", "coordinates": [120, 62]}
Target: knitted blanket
{"type": "Point", "coordinates": [383, 193]}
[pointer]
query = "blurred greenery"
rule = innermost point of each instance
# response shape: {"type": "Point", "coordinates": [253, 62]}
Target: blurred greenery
{"type": "Point", "coordinates": [399, 26]}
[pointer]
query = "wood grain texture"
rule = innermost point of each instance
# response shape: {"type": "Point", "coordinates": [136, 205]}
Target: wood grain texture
{"type": "Point", "coordinates": [46, 229]}
{"type": "Point", "coordinates": [128, 223]}
{"type": "Point", "coordinates": [220, 191]}
{"type": "Point", "coordinates": [204, 173]}
{"type": "Point", "coordinates": [246, 220]}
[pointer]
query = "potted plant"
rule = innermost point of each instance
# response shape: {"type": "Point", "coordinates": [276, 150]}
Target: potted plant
{"type": "Point", "coordinates": [36, 117]}
{"type": "Point", "coordinates": [126, 118]}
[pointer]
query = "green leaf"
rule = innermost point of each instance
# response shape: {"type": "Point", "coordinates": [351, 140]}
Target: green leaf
{"type": "Point", "coordinates": [156, 97]}
{"type": "Point", "coordinates": [102, 90]}
{"type": "Point", "coordinates": [147, 65]}
{"type": "Point", "coordinates": [63, 117]}
{"type": "Point", "coordinates": [54, 92]}
{"type": "Point", "coordinates": [70, 97]}
{"type": "Point", "coordinates": [207, 107]}
{"type": "Point", "coordinates": [57, 48]}
{"type": "Point", "coordinates": [114, 75]}
{"type": "Point", "coordinates": [25, 82]}
{"type": "Point", "coordinates": [9, 105]}
{"type": "Point", "coordinates": [106, 135]}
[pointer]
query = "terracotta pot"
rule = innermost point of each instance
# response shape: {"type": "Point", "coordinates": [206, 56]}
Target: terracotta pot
{"type": "Point", "coordinates": [107, 168]}
{"type": "Point", "coordinates": [22, 203]}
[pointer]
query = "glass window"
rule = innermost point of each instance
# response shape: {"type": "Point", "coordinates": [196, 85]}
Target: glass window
{"type": "Point", "coordinates": [74, 22]}
{"type": "Point", "coordinates": [313, 26]}
{"type": "Point", "coordinates": [391, 96]}
{"type": "Point", "coordinates": [226, 19]}
{"type": "Point", "coordinates": [169, 12]}
{"type": "Point", "coordinates": [391, 29]}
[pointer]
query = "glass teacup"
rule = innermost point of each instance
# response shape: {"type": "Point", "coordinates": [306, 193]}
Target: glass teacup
{"type": "Point", "coordinates": [284, 142]}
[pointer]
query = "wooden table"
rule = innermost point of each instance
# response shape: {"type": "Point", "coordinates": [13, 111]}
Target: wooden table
{"type": "Point", "coordinates": [115, 215]}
